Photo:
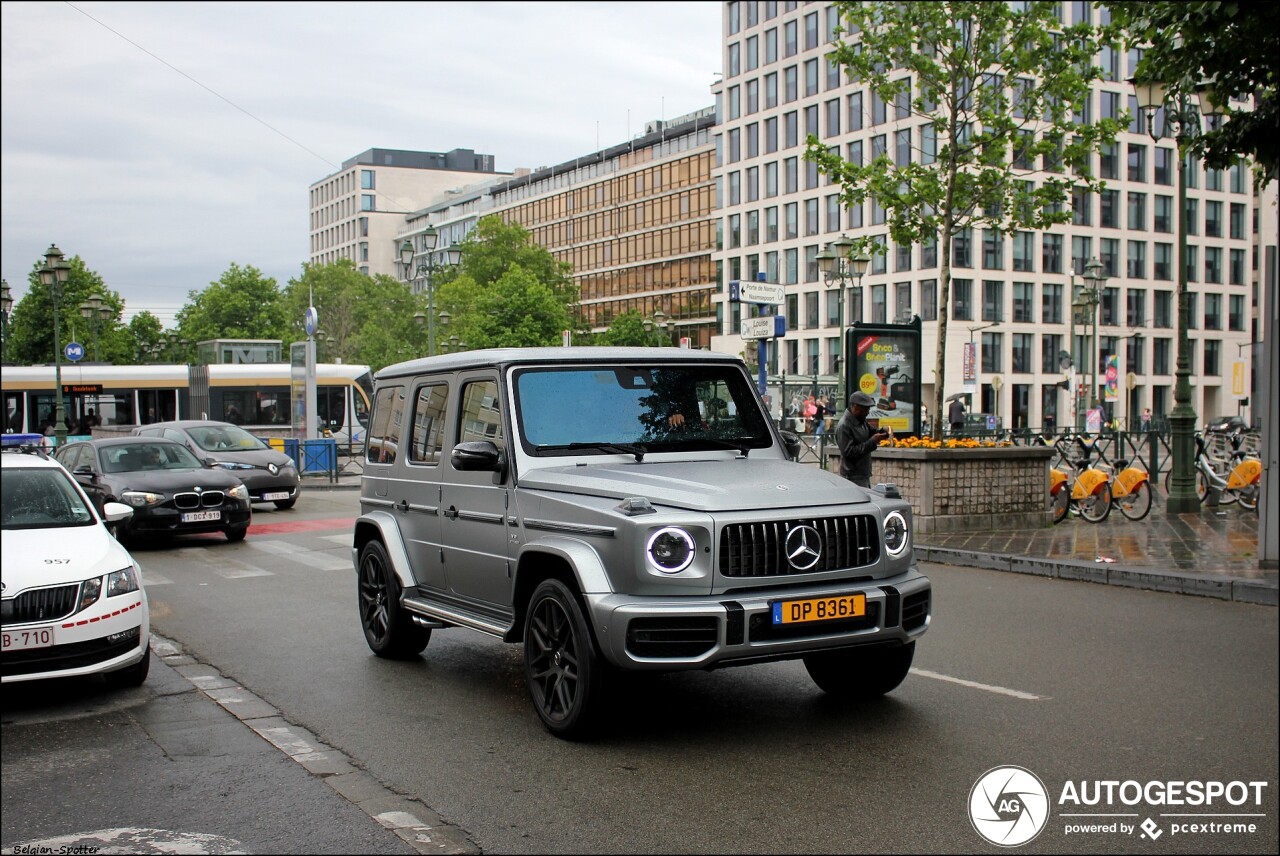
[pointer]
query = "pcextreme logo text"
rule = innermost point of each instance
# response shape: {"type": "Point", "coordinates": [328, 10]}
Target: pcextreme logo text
{"type": "Point", "coordinates": [1009, 806]}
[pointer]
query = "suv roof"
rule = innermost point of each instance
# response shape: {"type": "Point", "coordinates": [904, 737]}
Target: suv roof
{"type": "Point", "coordinates": [503, 357]}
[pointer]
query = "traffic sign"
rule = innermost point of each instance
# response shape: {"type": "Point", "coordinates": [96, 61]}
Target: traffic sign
{"type": "Point", "coordinates": [74, 351]}
{"type": "Point", "coordinates": [755, 292]}
{"type": "Point", "coordinates": [764, 327]}
{"type": "Point", "coordinates": [311, 321]}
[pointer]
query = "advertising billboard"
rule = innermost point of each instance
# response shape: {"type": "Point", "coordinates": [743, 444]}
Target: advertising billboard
{"type": "Point", "coordinates": [885, 364]}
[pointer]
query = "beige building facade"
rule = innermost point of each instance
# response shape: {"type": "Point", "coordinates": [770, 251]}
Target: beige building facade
{"type": "Point", "coordinates": [1011, 293]}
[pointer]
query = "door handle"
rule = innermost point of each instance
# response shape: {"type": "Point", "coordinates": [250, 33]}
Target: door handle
{"type": "Point", "coordinates": [451, 512]}
{"type": "Point", "coordinates": [402, 505]}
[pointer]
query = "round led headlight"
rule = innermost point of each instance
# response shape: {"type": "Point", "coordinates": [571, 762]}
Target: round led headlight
{"type": "Point", "coordinates": [671, 550]}
{"type": "Point", "coordinates": [895, 533]}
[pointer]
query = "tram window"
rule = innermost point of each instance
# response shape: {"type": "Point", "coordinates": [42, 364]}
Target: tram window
{"type": "Point", "coordinates": [14, 416]}
{"type": "Point", "coordinates": [114, 409]}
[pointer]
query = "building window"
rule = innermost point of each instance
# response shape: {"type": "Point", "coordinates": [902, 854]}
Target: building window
{"type": "Point", "coordinates": [1023, 345]}
{"type": "Point", "coordinates": [1051, 304]}
{"type": "Point", "coordinates": [366, 179]}
{"type": "Point", "coordinates": [1160, 356]}
{"type": "Point", "coordinates": [1212, 361]}
{"type": "Point", "coordinates": [1235, 314]}
{"type": "Point", "coordinates": [367, 202]}
{"type": "Point", "coordinates": [1137, 259]}
{"type": "Point", "coordinates": [992, 249]}
{"type": "Point", "coordinates": [1213, 312]}
{"type": "Point", "coordinates": [992, 345]}
{"type": "Point", "coordinates": [1050, 344]}
{"type": "Point", "coordinates": [1164, 214]}
{"type": "Point", "coordinates": [1023, 302]}
{"type": "Point", "coordinates": [1051, 257]}
{"type": "Point", "coordinates": [962, 300]}
{"type": "Point", "coordinates": [992, 300]}
{"type": "Point", "coordinates": [929, 300]}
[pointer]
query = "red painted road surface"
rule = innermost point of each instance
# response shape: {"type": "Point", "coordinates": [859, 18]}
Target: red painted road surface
{"type": "Point", "coordinates": [323, 525]}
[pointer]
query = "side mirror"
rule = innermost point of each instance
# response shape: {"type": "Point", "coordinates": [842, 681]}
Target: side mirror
{"type": "Point", "coordinates": [477, 455]}
{"type": "Point", "coordinates": [114, 512]}
{"type": "Point", "coordinates": [791, 441]}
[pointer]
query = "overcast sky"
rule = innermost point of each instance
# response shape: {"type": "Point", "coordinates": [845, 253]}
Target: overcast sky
{"type": "Point", "coordinates": [163, 141]}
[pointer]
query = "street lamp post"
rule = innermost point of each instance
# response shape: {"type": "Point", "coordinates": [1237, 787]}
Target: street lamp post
{"type": "Point", "coordinates": [842, 270]}
{"type": "Point", "coordinates": [96, 311]}
{"type": "Point", "coordinates": [427, 269]}
{"type": "Point", "coordinates": [657, 320]}
{"type": "Point", "coordinates": [6, 306]}
{"type": "Point", "coordinates": [53, 274]}
{"type": "Point", "coordinates": [1181, 109]}
{"type": "Point", "coordinates": [1084, 301]}
{"type": "Point", "coordinates": [977, 360]}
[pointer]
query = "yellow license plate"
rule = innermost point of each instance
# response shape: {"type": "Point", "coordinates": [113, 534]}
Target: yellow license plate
{"type": "Point", "coordinates": [819, 609]}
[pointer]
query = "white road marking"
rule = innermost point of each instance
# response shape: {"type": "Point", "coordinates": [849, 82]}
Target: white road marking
{"type": "Point", "coordinates": [977, 686]}
{"type": "Point", "coordinates": [132, 839]}
{"type": "Point", "coordinates": [228, 568]}
{"type": "Point", "coordinates": [310, 558]}
{"type": "Point", "coordinates": [344, 540]}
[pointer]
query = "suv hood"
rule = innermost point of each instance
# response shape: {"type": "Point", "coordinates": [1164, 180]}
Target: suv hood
{"type": "Point", "coordinates": [87, 551]}
{"type": "Point", "coordinates": [739, 484]}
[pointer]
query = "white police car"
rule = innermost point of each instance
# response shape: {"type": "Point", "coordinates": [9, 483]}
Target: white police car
{"type": "Point", "coordinates": [72, 601]}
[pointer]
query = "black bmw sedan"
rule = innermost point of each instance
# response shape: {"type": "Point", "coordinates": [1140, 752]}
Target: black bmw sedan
{"type": "Point", "coordinates": [170, 491]}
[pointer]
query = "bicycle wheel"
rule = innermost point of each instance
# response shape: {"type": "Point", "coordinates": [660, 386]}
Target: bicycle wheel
{"type": "Point", "coordinates": [1136, 504]}
{"type": "Point", "coordinates": [1061, 503]}
{"type": "Point", "coordinates": [1097, 506]}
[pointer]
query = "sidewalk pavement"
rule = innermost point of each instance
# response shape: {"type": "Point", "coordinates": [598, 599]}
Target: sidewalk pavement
{"type": "Point", "coordinates": [1211, 553]}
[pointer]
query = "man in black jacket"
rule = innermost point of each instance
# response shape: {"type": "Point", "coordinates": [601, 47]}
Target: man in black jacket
{"type": "Point", "coordinates": [857, 440]}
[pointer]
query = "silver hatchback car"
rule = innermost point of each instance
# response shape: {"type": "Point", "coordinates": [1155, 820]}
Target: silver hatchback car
{"type": "Point", "coordinates": [269, 476]}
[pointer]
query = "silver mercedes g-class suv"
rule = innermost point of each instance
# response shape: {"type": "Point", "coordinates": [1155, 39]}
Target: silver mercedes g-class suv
{"type": "Point", "coordinates": [622, 509]}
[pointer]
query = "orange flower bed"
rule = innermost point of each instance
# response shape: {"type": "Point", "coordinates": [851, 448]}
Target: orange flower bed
{"type": "Point", "coordinates": [951, 443]}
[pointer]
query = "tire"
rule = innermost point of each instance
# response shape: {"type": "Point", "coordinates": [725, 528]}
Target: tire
{"type": "Point", "coordinates": [234, 535]}
{"type": "Point", "coordinates": [565, 674]}
{"type": "Point", "coordinates": [1061, 503]}
{"type": "Point", "coordinates": [387, 626]}
{"type": "Point", "coordinates": [130, 676]}
{"type": "Point", "coordinates": [286, 504]}
{"type": "Point", "coordinates": [1096, 507]}
{"type": "Point", "coordinates": [1136, 505]}
{"type": "Point", "coordinates": [860, 674]}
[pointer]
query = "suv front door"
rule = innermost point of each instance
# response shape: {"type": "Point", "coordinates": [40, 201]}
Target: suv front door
{"type": "Point", "coordinates": [474, 504]}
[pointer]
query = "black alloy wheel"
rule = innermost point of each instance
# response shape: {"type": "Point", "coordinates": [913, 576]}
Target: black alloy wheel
{"type": "Point", "coordinates": [564, 673]}
{"type": "Point", "coordinates": [387, 626]}
{"type": "Point", "coordinates": [855, 674]}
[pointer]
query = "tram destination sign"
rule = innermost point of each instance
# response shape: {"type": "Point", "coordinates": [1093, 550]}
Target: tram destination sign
{"type": "Point", "coordinates": [81, 388]}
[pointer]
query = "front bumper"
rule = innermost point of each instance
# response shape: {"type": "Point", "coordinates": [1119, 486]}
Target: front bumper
{"type": "Point", "coordinates": [96, 641]}
{"type": "Point", "coordinates": [168, 521]}
{"type": "Point", "coordinates": [706, 632]}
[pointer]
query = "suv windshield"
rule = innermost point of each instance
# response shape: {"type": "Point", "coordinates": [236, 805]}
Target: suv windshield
{"type": "Point", "coordinates": [606, 410]}
{"type": "Point", "coordinates": [41, 499]}
{"type": "Point", "coordinates": [225, 438]}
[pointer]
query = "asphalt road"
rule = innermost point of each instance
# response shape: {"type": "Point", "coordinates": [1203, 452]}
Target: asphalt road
{"type": "Point", "coordinates": [1073, 681]}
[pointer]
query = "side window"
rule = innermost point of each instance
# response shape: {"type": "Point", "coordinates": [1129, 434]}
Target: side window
{"type": "Point", "coordinates": [177, 436]}
{"type": "Point", "coordinates": [480, 417]}
{"type": "Point", "coordinates": [428, 424]}
{"type": "Point", "coordinates": [384, 433]}
{"type": "Point", "coordinates": [74, 458]}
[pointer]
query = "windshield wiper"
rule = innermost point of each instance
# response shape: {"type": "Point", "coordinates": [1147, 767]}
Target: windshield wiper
{"type": "Point", "coordinates": [739, 447]}
{"type": "Point", "coordinates": [625, 448]}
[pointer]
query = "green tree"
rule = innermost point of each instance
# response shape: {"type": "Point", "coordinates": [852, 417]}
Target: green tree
{"type": "Point", "coordinates": [508, 291]}
{"type": "Point", "coordinates": [629, 329]}
{"type": "Point", "coordinates": [241, 304]}
{"type": "Point", "coordinates": [144, 333]}
{"type": "Point", "coordinates": [31, 325]}
{"type": "Point", "coordinates": [999, 83]}
{"type": "Point", "coordinates": [1232, 47]}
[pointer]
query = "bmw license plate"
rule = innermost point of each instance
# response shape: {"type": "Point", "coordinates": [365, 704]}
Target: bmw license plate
{"type": "Point", "coordinates": [23, 640]}
{"type": "Point", "coordinates": [280, 494]}
{"type": "Point", "coordinates": [819, 609]}
{"type": "Point", "coordinates": [201, 516]}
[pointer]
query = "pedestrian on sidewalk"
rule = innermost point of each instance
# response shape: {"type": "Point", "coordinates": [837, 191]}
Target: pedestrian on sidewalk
{"type": "Point", "coordinates": [820, 416]}
{"type": "Point", "coordinates": [857, 440]}
{"type": "Point", "coordinates": [955, 415]}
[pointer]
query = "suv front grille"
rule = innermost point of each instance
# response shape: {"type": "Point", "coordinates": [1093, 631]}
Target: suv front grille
{"type": "Point", "coordinates": [760, 549]}
{"type": "Point", "coordinates": [208, 499]}
{"type": "Point", "coordinates": [46, 604]}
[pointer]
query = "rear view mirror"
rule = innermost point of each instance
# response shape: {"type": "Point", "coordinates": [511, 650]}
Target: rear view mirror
{"type": "Point", "coordinates": [478, 455]}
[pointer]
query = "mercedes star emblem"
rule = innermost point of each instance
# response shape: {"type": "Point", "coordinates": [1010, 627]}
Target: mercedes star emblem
{"type": "Point", "coordinates": [804, 547]}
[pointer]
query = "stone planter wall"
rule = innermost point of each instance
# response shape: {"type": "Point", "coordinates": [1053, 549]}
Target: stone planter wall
{"type": "Point", "coordinates": [954, 490]}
